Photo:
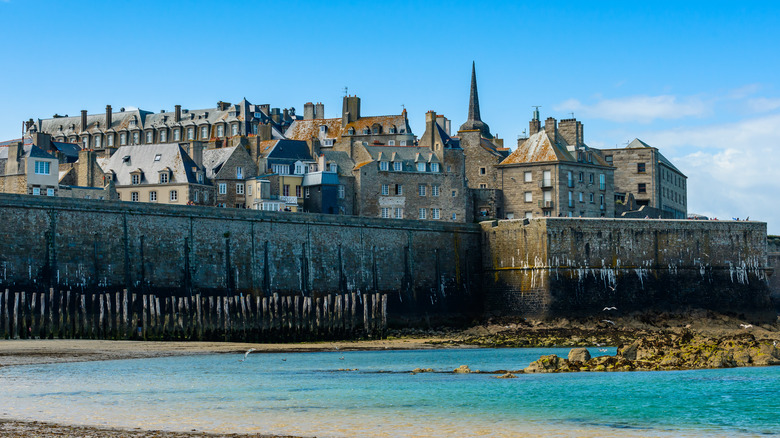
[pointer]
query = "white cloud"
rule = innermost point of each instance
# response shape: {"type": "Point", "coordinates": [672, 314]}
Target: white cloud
{"type": "Point", "coordinates": [732, 168]}
{"type": "Point", "coordinates": [642, 109]}
{"type": "Point", "coordinates": [763, 104]}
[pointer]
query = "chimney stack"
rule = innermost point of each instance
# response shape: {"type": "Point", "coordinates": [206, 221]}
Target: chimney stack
{"type": "Point", "coordinates": [177, 114]}
{"type": "Point", "coordinates": [83, 120]}
{"type": "Point", "coordinates": [350, 110]}
{"type": "Point", "coordinates": [319, 111]}
{"type": "Point", "coordinates": [308, 111]}
{"type": "Point", "coordinates": [108, 117]}
{"type": "Point", "coordinates": [551, 128]}
{"type": "Point", "coordinates": [196, 153]}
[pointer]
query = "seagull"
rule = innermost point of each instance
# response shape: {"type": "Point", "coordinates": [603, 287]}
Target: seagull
{"type": "Point", "coordinates": [603, 350]}
{"type": "Point", "coordinates": [284, 360]}
{"type": "Point", "coordinates": [609, 308]}
{"type": "Point", "coordinates": [341, 358]}
{"type": "Point", "coordinates": [608, 321]}
{"type": "Point", "coordinates": [746, 326]}
{"type": "Point", "coordinates": [246, 354]}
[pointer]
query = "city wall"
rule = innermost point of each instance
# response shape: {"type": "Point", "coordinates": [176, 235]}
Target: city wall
{"type": "Point", "coordinates": [569, 267]}
{"type": "Point", "coordinates": [428, 270]}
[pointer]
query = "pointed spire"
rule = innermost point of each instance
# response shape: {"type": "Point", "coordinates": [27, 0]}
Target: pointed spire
{"type": "Point", "coordinates": [474, 122]}
{"type": "Point", "coordinates": [474, 96]}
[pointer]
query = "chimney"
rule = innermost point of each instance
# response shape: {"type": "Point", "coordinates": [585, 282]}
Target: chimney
{"type": "Point", "coordinates": [350, 111]}
{"type": "Point", "coordinates": [264, 132]}
{"type": "Point", "coordinates": [286, 115]}
{"type": "Point", "coordinates": [321, 163]}
{"type": "Point", "coordinates": [580, 134]}
{"type": "Point", "coordinates": [567, 130]}
{"type": "Point", "coordinates": [276, 116]}
{"type": "Point", "coordinates": [85, 168]}
{"type": "Point", "coordinates": [265, 108]}
{"type": "Point", "coordinates": [177, 114]}
{"type": "Point", "coordinates": [15, 152]}
{"type": "Point", "coordinates": [308, 111]}
{"type": "Point", "coordinates": [550, 128]}
{"type": "Point", "coordinates": [534, 125]}
{"type": "Point", "coordinates": [196, 152]}
{"type": "Point", "coordinates": [319, 111]}
{"type": "Point", "coordinates": [83, 120]}
{"type": "Point", "coordinates": [108, 117]}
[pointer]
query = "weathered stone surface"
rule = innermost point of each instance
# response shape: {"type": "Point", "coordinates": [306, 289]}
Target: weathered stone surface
{"type": "Point", "coordinates": [579, 355]}
{"type": "Point", "coordinates": [463, 369]}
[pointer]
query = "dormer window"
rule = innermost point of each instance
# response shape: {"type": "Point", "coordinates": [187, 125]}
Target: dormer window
{"type": "Point", "coordinates": [163, 136]}
{"type": "Point", "coordinates": [204, 132]}
{"type": "Point", "coordinates": [434, 167]}
{"type": "Point", "coordinates": [327, 142]}
{"type": "Point", "coordinates": [136, 138]}
{"type": "Point", "coordinates": [384, 165]}
{"type": "Point", "coordinates": [392, 130]}
{"type": "Point", "coordinates": [333, 167]}
{"type": "Point", "coordinates": [176, 135]}
{"type": "Point", "coordinates": [365, 131]}
{"type": "Point", "coordinates": [300, 169]}
{"type": "Point", "coordinates": [351, 131]}
{"type": "Point", "coordinates": [190, 133]}
{"type": "Point", "coordinates": [233, 130]}
{"type": "Point", "coordinates": [398, 166]}
{"type": "Point", "coordinates": [421, 167]}
{"type": "Point", "coordinates": [135, 178]}
{"type": "Point", "coordinates": [323, 129]}
{"type": "Point", "coordinates": [220, 131]}
{"type": "Point", "coordinates": [149, 137]}
{"type": "Point", "coordinates": [133, 122]}
{"type": "Point", "coordinates": [391, 142]}
{"type": "Point", "coordinates": [164, 177]}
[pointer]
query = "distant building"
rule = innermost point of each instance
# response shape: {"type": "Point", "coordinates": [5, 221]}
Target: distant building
{"type": "Point", "coordinates": [159, 173]}
{"type": "Point", "coordinates": [645, 177]}
{"type": "Point", "coordinates": [227, 169]}
{"type": "Point", "coordinates": [27, 169]}
{"type": "Point", "coordinates": [554, 173]}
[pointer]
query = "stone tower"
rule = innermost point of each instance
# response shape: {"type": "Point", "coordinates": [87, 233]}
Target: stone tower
{"type": "Point", "coordinates": [474, 122]}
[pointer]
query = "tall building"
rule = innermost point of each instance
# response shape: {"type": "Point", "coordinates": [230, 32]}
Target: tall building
{"type": "Point", "coordinates": [645, 177]}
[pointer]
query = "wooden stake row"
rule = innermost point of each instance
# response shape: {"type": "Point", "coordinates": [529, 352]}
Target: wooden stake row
{"type": "Point", "coordinates": [125, 315]}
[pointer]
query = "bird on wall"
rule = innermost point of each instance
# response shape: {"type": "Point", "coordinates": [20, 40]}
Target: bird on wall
{"type": "Point", "coordinates": [609, 308]}
{"type": "Point", "coordinates": [608, 321]}
{"type": "Point", "coordinates": [746, 326]}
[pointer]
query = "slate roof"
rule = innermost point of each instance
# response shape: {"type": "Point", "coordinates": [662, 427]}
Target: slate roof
{"type": "Point", "coordinates": [408, 155]}
{"type": "Point", "coordinates": [344, 163]}
{"type": "Point", "coordinates": [539, 148]}
{"type": "Point", "coordinates": [308, 129]}
{"type": "Point", "coordinates": [29, 151]}
{"type": "Point", "coordinates": [128, 159]}
{"type": "Point", "coordinates": [70, 150]}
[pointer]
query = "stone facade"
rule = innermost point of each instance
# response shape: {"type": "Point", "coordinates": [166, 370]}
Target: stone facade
{"type": "Point", "coordinates": [644, 174]}
{"type": "Point", "coordinates": [27, 169]}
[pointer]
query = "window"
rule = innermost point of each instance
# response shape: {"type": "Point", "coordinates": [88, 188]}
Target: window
{"type": "Point", "coordinates": [122, 139]}
{"type": "Point", "coordinates": [157, 157]}
{"type": "Point", "coordinates": [85, 142]}
{"type": "Point", "coordinates": [36, 191]}
{"type": "Point", "coordinates": [299, 169]}
{"type": "Point", "coordinates": [163, 136]}
{"type": "Point", "coordinates": [110, 140]}
{"type": "Point", "coordinates": [136, 179]}
{"type": "Point", "coordinates": [571, 199]}
{"type": "Point", "coordinates": [200, 177]}
{"type": "Point", "coordinates": [307, 193]}
{"type": "Point", "coordinates": [239, 188]}
{"type": "Point", "coordinates": [399, 189]}
{"type": "Point", "coordinates": [176, 135]}
{"type": "Point", "coordinates": [602, 182]}
{"type": "Point", "coordinates": [482, 171]}
{"type": "Point", "coordinates": [281, 169]}
{"type": "Point", "coordinates": [327, 142]}
{"type": "Point", "coordinates": [590, 178]}
{"type": "Point", "coordinates": [97, 142]}
{"type": "Point", "coordinates": [454, 193]}
{"type": "Point", "coordinates": [234, 130]}
{"type": "Point", "coordinates": [195, 196]}
{"type": "Point", "coordinates": [399, 213]}
{"type": "Point", "coordinates": [50, 192]}
{"type": "Point", "coordinates": [220, 130]}
{"type": "Point", "coordinates": [365, 131]}
{"type": "Point", "coordinates": [152, 196]}
{"type": "Point", "coordinates": [286, 190]}
{"type": "Point", "coordinates": [385, 212]}
{"type": "Point", "coordinates": [333, 167]}
{"type": "Point", "coordinates": [134, 196]}
{"type": "Point", "coordinates": [384, 165]}
{"type": "Point", "coordinates": [351, 131]}
{"type": "Point", "coordinates": [397, 166]}
{"type": "Point", "coordinates": [640, 167]}
{"type": "Point", "coordinates": [482, 186]}
{"type": "Point", "coordinates": [569, 179]}
{"type": "Point", "coordinates": [421, 190]}
{"type": "Point", "coordinates": [454, 216]}
{"type": "Point", "coordinates": [403, 142]}
{"type": "Point", "coordinates": [641, 188]}
{"type": "Point", "coordinates": [422, 213]}
{"type": "Point", "coordinates": [385, 190]}
{"type": "Point", "coordinates": [42, 167]}
{"type": "Point", "coordinates": [435, 213]}
{"type": "Point", "coordinates": [136, 138]}
{"type": "Point", "coordinates": [434, 190]}
{"type": "Point", "coordinates": [582, 177]}
{"type": "Point", "coordinates": [581, 197]}
{"type": "Point", "coordinates": [222, 188]}
{"type": "Point", "coordinates": [529, 197]}
{"type": "Point", "coordinates": [527, 177]}
{"type": "Point", "coordinates": [608, 159]}
{"type": "Point", "coordinates": [204, 132]}
{"type": "Point", "coordinates": [342, 191]}
{"type": "Point", "coordinates": [149, 137]}
{"type": "Point", "coordinates": [529, 214]}
{"type": "Point", "coordinates": [164, 178]}
{"type": "Point", "coordinates": [239, 172]}
{"type": "Point", "coordinates": [190, 133]}
{"type": "Point", "coordinates": [249, 189]}
{"type": "Point", "coordinates": [601, 201]}
{"type": "Point", "coordinates": [434, 167]}
{"type": "Point", "coordinates": [421, 167]}
{"type": "Point", "coordinates": [391, 142]}
{"type": "Point", "coordinates": [591, 198]}
{"type": "Point", "coordinates": [174, 195]}
{"type": "Point", "coordinates": [298, 191]}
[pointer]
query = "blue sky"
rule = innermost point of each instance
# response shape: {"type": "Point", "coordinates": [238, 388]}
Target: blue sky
{"type": "Point", "coordinates": [698, 81]}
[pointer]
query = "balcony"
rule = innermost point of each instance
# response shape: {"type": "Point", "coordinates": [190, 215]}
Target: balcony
{"type": "Point", "coordinates": [546, 204]}
{"type": "Point", "coordinates": [546, 184]}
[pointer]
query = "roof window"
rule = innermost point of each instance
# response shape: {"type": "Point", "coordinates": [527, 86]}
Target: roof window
{"type": "Point", "coordinates": [157, 157]}
{"type": "Point", "coordinates": [126, 159]}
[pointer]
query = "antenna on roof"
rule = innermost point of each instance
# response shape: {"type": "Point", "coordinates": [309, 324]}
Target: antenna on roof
{"type": "Point", "coordinates": [572, 114]}
{"type": "Point", "coordinates": [536, 111]}
{"type": "Point", "coordinates": [403, 106]}
{"type": "Point", "coordinates": [346, 91]}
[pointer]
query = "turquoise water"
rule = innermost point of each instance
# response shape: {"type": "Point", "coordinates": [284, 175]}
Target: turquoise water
{"type": "Point", "coordinates": [305, 394]}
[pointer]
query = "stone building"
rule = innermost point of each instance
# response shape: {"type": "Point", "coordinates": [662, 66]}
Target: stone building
{"type": "Point", "coordinates": [160, 173]}
{"type": "Point", "coordinates": [103, 132]}
{"type": "Point", "coordinates": [554, 173]}
{"type": "Point", "coordinates": [228, 169]}
{"type": "Point", "coordinates": [645, 177]}
{"type": "Point", "coordinates": [27, 169]}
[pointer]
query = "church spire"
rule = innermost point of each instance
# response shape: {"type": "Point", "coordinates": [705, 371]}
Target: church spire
{"type": "Point", "coordinates": [474, 122]}
{"type": "Point", "coordinates": [474, 96]}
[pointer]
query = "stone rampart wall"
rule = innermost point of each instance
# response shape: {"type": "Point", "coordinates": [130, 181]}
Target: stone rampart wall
{"type": "Point", "coordinates": [427, 268]}
{"type": "Point", "coordinates": [564, 267]}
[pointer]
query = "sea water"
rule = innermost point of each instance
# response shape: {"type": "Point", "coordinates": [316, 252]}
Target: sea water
{"type": "Point", "coordinates": [311, 394]}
